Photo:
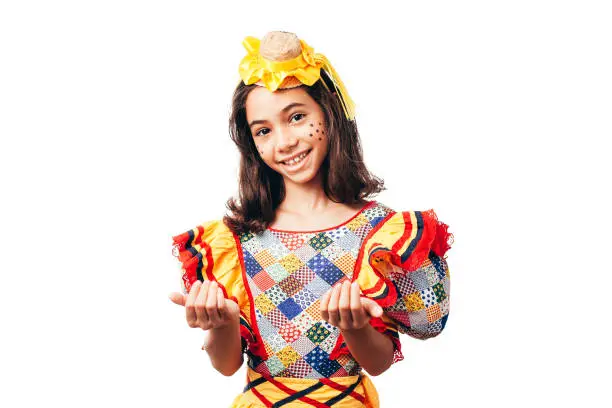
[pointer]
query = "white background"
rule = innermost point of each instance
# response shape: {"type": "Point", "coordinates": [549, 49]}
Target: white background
{"type": "Point", "coordinates": [113, 125]}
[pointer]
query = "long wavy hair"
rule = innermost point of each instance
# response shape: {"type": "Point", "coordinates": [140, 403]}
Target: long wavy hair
{"type": "Point", "coordinates": [261, 190]}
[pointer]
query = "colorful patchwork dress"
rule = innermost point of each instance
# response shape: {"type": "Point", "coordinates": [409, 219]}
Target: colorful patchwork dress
{"type": "Point", "coordinates": [295, 358]}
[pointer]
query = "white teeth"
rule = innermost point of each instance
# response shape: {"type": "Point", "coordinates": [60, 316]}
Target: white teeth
{"type": "Point", "coordinates": [297, 159]}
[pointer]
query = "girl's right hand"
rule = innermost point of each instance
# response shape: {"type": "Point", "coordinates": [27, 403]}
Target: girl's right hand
{"type": "Point", "coordinates": [206, 307]}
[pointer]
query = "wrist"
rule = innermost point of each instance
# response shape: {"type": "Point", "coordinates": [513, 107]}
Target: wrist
{"type": "Point", "coordinates": [356, 332]}
{"type": "Point", "coordinates": [228, 325]}
{"type": "Point", "coordinates": [221, 334]}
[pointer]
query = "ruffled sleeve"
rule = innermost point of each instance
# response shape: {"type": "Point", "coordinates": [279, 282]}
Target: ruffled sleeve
{"type": "Point", "coordinates": [402, 266]}
{"type": "Point", "coordinates": [211, 252]}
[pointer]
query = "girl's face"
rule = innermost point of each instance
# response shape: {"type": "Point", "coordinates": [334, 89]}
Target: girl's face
{"type": "Point", "coordinates": [289, 130]}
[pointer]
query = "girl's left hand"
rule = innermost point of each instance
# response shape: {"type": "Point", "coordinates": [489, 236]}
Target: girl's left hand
{"type": "Point", "coordinates": [342, 306]}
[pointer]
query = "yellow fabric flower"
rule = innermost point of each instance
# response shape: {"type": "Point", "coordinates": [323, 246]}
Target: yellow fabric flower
{"type": "Point", "coordinates": [306, 67]}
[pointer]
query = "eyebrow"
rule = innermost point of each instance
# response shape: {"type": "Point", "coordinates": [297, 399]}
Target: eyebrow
{"type": "Point", "coordinates": [285, 109]}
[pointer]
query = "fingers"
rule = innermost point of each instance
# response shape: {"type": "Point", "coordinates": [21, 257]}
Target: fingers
{"type": "Point", "coordinates": [344, 306]}
{"type": "Point", "coordinates": [212, 305]}
{"type": "Point", "coordinates": [190, 311]}
{"type": "Point", "coordinates": [371, 307]}
{"type": "Point", "coordinates": [332, 307]}
{"type": "Point", "coordinates": [177, 298]}
{"type": "Point", "coordinates": [201, 306]}
{"type": "Point", "coordinates": [221, 305]}
{"type": "Point", "coordinates": [205, 305]}
{"type": "Point", "coordinates": [359, 315]}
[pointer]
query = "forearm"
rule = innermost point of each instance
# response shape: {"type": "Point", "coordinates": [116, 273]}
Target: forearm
{"type": "Point", "coordinates": [224, 348]}
{"type": "Point", "coordinates": [372, 349]}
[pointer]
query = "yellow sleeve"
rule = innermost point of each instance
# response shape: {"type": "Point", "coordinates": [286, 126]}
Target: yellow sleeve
{"type": "Point", "coordinates": [211, 251]}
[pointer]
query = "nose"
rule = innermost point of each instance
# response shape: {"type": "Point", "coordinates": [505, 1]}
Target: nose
{"type": "Point", "coordinates": [286, 140]}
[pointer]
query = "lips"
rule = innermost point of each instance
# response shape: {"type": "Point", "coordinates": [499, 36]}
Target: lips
{"type": "Point", "coordinates": [295, 168]}
{"type": "Point", "coordinates": [296, 159]}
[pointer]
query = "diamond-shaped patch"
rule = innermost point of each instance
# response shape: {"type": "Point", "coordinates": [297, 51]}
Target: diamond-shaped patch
{"type": "Point", "coordinates": [264, 304]}
{"type": "Point", "coordinates": [304, 298]}
{"type": "Point", "coordinates": [275, 365]}
{"type": "Point", "coordinates": [290, 285]}
{"type": "Point", "coordinates": [276, 295]}
{"type": "Point", "coordinates": [305, 253]}
{"type": "Point", "coordinates": [320, 241]}
{"type": "Point", "coordinates": [264, 258]}
{"type": "Point", "coordinates": [289, 332]}
{"type": "Point", "coordinates": [317, 333]}
{"type": "Point", "coordinates": [290, 308]}
{"type": "Point", "coordinates": [277, 272]}
{"type": "Point", "coordinates": [438, 289]}
{"type": "Point", "coordinates": [288, 356]}
{"type": "Point", "coordinates": [357, 222]}
{"type": "Point", "coordinates": [433, 313]}
{"type": "Point", "coordinates": [251, 265]}
{"type": "Point", "coordinates": [325, 269]}
{"type": "Point", "coordinates": [263, 280]}
{"type": "Point", "coordinates": [291, 263]}
{"type": "Point", "coordinates": [414, 302]}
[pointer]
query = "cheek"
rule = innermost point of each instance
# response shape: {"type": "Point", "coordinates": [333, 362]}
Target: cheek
{"type": "Point", "coordinates": [316, 130]}
{"type": "Point", "coordinates": [265, 152]}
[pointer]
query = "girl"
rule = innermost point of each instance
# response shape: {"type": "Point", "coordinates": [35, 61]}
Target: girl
{"type": "Point", "coordinates": [305, 275]}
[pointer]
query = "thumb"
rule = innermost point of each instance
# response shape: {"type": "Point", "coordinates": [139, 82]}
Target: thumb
{"type": "Point", "coordinates": [177, 298]}
{"type": "Point", "coordinates": [371, 307]}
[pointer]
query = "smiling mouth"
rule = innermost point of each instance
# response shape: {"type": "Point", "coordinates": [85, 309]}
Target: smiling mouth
{"type": "Point", "coordinates": [297, 160]}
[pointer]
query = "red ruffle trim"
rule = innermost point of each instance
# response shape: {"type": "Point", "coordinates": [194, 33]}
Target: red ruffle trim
{"type": "Point", "coordinates": [443, 240]}
{"type": "Point", "coordinates": [434, 237]}
{"type": "Point", "coordinates": [184, 251]}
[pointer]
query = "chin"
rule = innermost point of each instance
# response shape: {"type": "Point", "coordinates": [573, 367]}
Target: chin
{"type": "Point", "coordinates": [299, 178]}
{"type": "Point", "coordinates": [303, 177]}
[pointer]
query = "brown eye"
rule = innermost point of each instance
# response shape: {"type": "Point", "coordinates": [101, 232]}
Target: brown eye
{"type": "Point", "coordinates": [259, 132]}
{"type": "Point", "coordinates": [298, 116]}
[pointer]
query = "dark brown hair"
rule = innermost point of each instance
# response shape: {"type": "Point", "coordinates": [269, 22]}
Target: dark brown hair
{"type": "Point", "coordinates": [261, 189]}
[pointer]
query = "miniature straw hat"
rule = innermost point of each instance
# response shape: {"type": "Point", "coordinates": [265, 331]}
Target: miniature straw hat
{"type": "Point", "coordinates": [281, 60]}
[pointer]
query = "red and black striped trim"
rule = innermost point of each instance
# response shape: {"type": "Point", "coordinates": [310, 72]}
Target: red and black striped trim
{"type": "Point", "coordinates": [302, 394]}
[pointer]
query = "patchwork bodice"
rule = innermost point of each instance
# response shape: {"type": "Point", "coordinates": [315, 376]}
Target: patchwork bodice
{"type": "Point", "coordinates": [287, 273]}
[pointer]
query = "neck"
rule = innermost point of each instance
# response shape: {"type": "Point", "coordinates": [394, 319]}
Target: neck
{"type": "Point", "coordinates": [303, 198]}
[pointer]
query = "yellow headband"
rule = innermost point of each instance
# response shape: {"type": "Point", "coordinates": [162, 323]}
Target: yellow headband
{"type": "Point", "coordinates": [306, 68]}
